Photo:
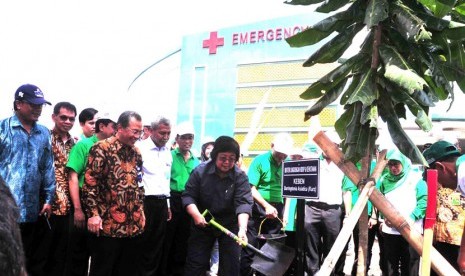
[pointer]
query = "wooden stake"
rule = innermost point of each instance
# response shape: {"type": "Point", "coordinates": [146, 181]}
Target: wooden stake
{"type": "Point", "coordinates": [413, 237]}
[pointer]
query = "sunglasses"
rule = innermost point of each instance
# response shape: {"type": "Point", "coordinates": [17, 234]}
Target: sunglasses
{"type": "Point", "coordinates": [223, 159]}
{"type": "Point", "coordinates": [65, 118]}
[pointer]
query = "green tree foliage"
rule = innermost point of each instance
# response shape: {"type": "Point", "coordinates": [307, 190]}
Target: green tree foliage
{"type": "Point", "coordinates": [412, 56]}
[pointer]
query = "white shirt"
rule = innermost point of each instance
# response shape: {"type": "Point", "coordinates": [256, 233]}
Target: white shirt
{"type": "Point", "coordinates": [330, 189]}
{"type": "Point", "coordinates": [156, 168]}
{"type": "Point", "coordinates": [404, 198]}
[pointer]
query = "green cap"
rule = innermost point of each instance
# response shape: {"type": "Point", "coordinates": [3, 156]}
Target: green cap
{"type": "Point", "coordinates": [439, 151]}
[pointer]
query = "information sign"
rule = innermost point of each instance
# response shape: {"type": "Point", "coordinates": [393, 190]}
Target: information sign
{"type": "Point", "coordinates": [301, 178]}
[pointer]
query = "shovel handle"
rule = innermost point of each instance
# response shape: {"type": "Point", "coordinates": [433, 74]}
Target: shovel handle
{"type": "Point", "coordinates": [234, 236]}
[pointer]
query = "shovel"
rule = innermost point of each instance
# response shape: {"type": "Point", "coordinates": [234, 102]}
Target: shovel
{"type": "Point", "coordinates": [274, 258]}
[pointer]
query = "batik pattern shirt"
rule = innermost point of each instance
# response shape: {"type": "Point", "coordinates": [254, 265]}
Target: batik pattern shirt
{"type": "Point", "coordinates": [26, 165]}
{"type": "Point", "coordinates": [450, 216]}
{"type": "Point", "coordinates": [61, 149]}
{"type": "Point", "coordinates": [111, 188]}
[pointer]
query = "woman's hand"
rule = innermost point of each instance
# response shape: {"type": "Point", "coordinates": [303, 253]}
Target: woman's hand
{"type": "Point", "coordinates": [200, 221]}
{"type": "Point", "coordinates": [242, 234]}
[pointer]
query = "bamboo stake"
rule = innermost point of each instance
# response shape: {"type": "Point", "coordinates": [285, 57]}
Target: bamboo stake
{"type": "Point", "coordinates": [413, 237]}
{"type": "Point", "coordinates": [341, 240]}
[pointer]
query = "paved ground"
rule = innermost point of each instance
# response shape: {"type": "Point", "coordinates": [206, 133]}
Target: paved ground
{"type": "Point", "coordinates": [374, 269]}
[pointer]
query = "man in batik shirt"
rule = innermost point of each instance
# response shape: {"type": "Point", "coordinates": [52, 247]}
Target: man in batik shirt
{"type": "Point", "coordinates": [113, 200]}
{"type": "Point", "coordinates": [56, 234]}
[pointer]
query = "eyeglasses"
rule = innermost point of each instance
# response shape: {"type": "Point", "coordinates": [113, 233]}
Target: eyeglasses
{"type": "Point", "coordinates": [65, 118]}
{"type": "Point", "coordinates": [137, 132]}
{"type": "Point", "coordinates": [223, 159]}
{"type": "Point", "coordinates": [393, 164]}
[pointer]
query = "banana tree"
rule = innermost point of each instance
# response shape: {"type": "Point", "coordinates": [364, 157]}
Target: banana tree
{"type": "Point", "coordinates": [411, 57]}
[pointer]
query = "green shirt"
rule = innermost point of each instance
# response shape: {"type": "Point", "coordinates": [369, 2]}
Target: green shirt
{"type": "Point", "coordinates": [77, 160]}
{"type": "Point", "coordinates": [265, 175]}
{"type": "Point", "coordinates": [348, 185]}
{"type": "Point", "coordinates": [181, 170]}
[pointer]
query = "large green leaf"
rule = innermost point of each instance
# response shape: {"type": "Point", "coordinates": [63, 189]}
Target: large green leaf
{"type": "Point", "coordinates": [331, 5]}
{"type": "Point", "coordinates": [458, 61]}
{"type": "Point", "coordinates": [303, 2]}
{"type": "Point", "coordinates": [364, 139]}
{"type": "Point", "coordinates": [439, 10]}
{"type": "Point", "coordinates": [439, 91]}
{"type": "Point", "coordinates": [350, 90]}
{"type": "Point", "coordinates": [400, 96]}
{"type": "Point", "coordinates": [410, 26]}
{"type": "Point", "coordinates": [366, 46]}
{"type": "Point", "coordinates": [307, 37]}
{"type": "Point", "coordinates": [450, 3]}
{"type": "Point", "coordinates": [353, 132]}
{"type": "Point", "coordinates": [330, 80]}
{"type": "Point", "coordinates": [455, 33]}
{"type": "Point", "coordinates": [335, 23]}
{"type": "Point", "coordinates": [324, 101]}
{"type": "Point", "coordinates": [391, 57]}
{"type": "Point", "coordinates": [352, 15]}
{"type": "Point", "coordinates": [319, 31]}
{"type": "Point", "coordinates": [370, 116]}
{"type": "Point", "coordinates": [376, 12]}
{"type": "Point", "coordinates": [365, 92]}
{"type": "Point", "coordinates": [445, 5]}
{"type": "Point", "coordinates": [315, 90]}
{"type": "Point", "coordinates": [341, 124]}
{"type": "Point", "coordinates": [399, 71]}
{"type": "Point", "coordinates": [429, 4]}
{"type": "Point", "coordinates": [344, 69]}
{"type": "Point", "coordinates": [433, 23]}
{"type": "Point", "coordinates": [398, 135]}
{"type": "Point", "coordinates": [460, 9]}
{"type": "Point", "coordinates": [407, 79]}
{"type": "Point", "coordinates": [333, 50]}
{"type": "Point", "coordinates": [423, 98]}
{"type": "Point", "coordinates": [457, 55]}
{"type": "Point", "coordinates": [423, 121]}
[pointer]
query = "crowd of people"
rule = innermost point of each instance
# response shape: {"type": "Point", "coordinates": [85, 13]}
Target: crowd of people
{"type": "Point", "coordinates": [121, 200]}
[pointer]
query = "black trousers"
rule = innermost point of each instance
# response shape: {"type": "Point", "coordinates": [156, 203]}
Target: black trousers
{"type": "Point", "coordinates": [78, 249]}
{"type": "Point", "coordinates": [401, 258]}
{"type": "Point", "coordinates": [114, 256]}
{"type": "Point", "coordinates": [57, 238]}
{"type": "Point", "coordinates": [177, 234]}
{"type": "Point", "coordinates": [199, 249]}
{"type": "Point", "coordinates": [269, 226]}
{"type": "Point", "coordinates": [322, 226]}
{"type": "Point", "coordinates": [156, 214]}
{"type": "Point", "coordinates": [450, 252]}
{"type": "Point", "coordinates": [36, 247]}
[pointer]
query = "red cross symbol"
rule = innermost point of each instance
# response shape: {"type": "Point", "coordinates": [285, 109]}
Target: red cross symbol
{"type": "Point", "coordinates": [213, 42]}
